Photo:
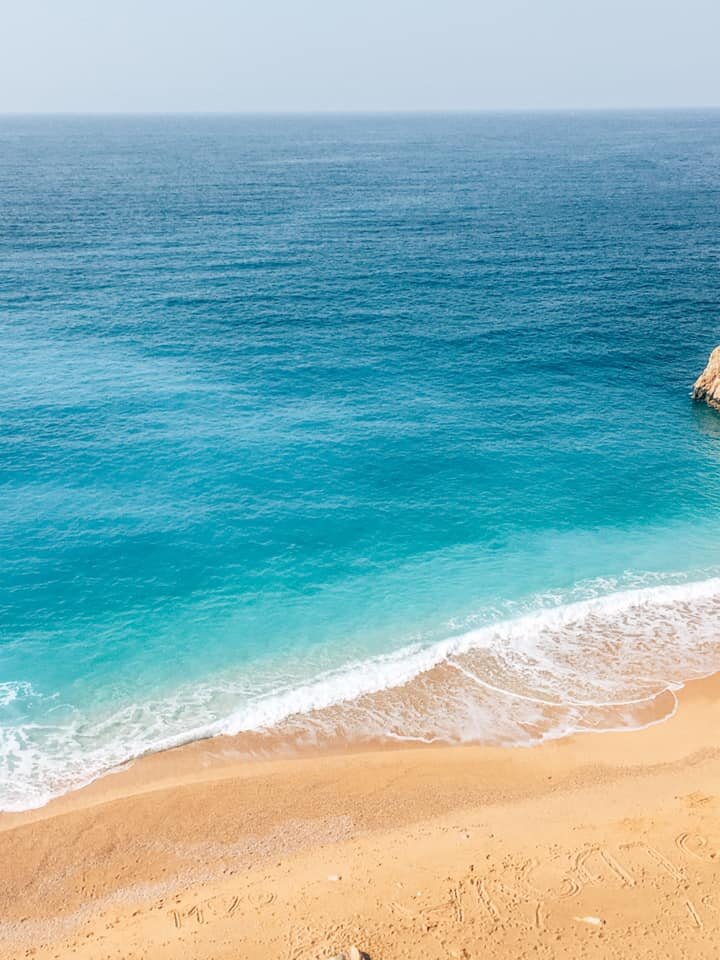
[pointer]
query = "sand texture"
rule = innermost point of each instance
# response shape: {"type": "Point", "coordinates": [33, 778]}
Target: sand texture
{"type": "Point", "coordinates": [595, 846]}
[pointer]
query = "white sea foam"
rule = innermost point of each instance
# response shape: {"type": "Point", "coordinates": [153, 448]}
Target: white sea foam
{"type": "Point", "coordinates": [11, 691]}
{"type": "Point", "coordinates": [597, 663]}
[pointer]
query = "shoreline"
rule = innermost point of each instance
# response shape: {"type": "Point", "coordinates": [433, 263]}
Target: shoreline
{"type": "Point", "coordinates": [208, 855]}
{"type": "Point", "coordinates": [462, 689]}
{"type": "Point", "coordinates": [224, 756]}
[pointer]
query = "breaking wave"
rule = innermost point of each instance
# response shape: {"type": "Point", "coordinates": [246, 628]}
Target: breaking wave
{"type": "Point", "coordinates": [597, 664]}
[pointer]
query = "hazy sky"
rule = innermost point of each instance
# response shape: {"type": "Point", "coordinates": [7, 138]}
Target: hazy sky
{"type": "Point", "coordinates": [235, 55]}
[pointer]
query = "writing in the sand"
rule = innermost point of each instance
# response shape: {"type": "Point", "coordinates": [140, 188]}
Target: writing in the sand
{"type": "Point", "coordinates": [522, 894]}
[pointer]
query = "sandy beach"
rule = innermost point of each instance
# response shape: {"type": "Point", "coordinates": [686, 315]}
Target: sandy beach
{"type": "Point", "coordinates": [360, 481]}
{"type": "Point", "coordinates": [596, 845]}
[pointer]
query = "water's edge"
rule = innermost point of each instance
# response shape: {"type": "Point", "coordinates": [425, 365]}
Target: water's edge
{"type": "Point", "coordinates": [503, 684]}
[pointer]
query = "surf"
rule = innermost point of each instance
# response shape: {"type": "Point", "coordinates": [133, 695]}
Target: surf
{"type": "Point", "coordinates": [607, 662]}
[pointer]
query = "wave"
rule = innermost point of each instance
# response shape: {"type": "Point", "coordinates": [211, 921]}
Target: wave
{"type": "Point", "coordinates": [607, 662]}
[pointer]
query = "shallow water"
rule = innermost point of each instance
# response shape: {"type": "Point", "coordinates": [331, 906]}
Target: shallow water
{"type": "Point", "coordinates": [295, 411]}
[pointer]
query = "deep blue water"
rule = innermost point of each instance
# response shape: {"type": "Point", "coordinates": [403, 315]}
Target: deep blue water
{"type": "Point", "coordinates": [282, 395]}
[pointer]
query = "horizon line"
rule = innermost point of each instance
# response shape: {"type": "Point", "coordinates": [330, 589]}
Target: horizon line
{"type": "Point", "coordinates": [412, 111]}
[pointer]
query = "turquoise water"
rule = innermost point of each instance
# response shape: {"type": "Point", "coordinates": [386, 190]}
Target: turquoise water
{"type": "Point", "coordinates": [296, 411]}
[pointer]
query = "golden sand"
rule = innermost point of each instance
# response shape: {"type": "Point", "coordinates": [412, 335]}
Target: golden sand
{"type": "Point", "coordinates": [593, 846]}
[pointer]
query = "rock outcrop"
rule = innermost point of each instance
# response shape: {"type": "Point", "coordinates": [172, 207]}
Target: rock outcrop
{"type": "Point", "coordinates": [707, 385]}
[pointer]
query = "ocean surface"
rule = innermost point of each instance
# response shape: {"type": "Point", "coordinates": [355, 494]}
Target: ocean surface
{"type": "Point", "coordinates": [351, 427]}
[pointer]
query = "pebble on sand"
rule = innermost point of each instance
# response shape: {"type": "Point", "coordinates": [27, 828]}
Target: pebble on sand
{"type": "Point", "coordinates": [352, 954]}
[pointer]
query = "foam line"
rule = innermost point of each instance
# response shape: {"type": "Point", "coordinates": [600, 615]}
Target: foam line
{"type": "Point", "coordinates": [553, 652]}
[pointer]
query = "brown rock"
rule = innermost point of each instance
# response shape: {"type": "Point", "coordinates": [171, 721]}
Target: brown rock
{"type": "Point", "coordinates": [707, 385]}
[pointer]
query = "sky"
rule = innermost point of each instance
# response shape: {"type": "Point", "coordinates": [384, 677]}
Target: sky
{"type": "Point", "coordinates": [356, 55]}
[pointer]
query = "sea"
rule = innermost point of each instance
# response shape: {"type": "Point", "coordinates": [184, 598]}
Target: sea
{"type": "Point", "coordinates": [346, 429]}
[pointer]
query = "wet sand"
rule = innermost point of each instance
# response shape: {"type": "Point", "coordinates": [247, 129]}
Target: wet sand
{"type": "Point", "coordinates": [594, 845]}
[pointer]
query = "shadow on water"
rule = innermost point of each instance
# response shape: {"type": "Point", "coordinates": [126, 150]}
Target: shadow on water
{"type": "Point", "coordinates": [706, 419]}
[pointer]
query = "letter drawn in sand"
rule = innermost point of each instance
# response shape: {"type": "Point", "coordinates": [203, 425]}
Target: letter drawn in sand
{"type": "Point", "coordinates": [470, 895]}
{"type": "Point", "coordinates": [197, 912]}
{"type": "Point", "coordinates": [694, 916]}
{"type": "Point", "coordinates": [456, 898]}
{"type": "Point", "coordinates": [484, 898]}
{"type": "Point", "coordinates": [668, 868]}
{"type": "Point", "coordinates": [261, 899]}
{"type": "Point", "coordinates": [562, 888]}
{"type": "Point", "coordinates": [601, 859]}
{"type": "Point", "coordinates": [694, 845]}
